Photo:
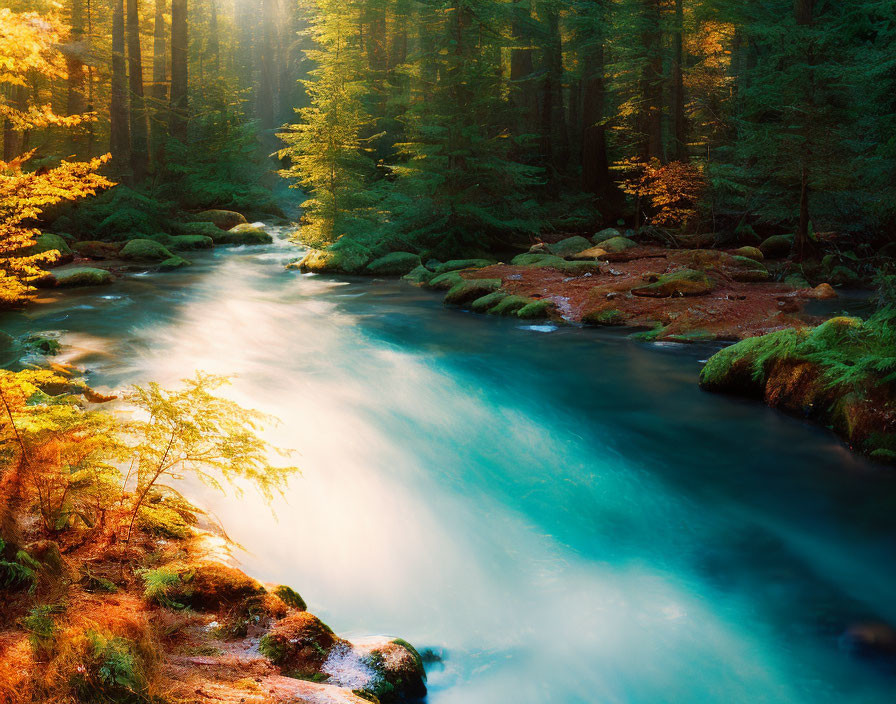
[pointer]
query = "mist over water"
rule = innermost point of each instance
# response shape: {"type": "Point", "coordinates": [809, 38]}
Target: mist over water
{"type": "Point", "coordinates": [561, 512]}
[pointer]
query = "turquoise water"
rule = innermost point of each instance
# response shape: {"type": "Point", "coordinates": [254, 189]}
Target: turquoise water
{"type": "Point", "coordinates": [561, 513]}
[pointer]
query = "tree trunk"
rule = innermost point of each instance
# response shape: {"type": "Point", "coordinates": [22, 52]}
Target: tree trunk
{"type": "Point", "coordinates": [679, 123]}
{"type": "Point", "coordinates": [595, 162]}
{"type": "Point", "coordinates": [651, 86]}
{"type": "Point", "coordinates": [554, 136]}
{"type": "Point", "coordinates": [214, 41]}
{"type": "Point", "coordinates": [76, 102]}
{"type": "Point", "coordinates": [139, 139]}
{"type": "Point", "coordinates": [265, 99]}
{"type": "Point", "coordinates": [522, 68]}
{"type": "Point", "coordinates": [179, 77]}
{"type": "Point", "coordinates": [159, 91]}
{"type": "Point", "coordinates": [803, 12]}
{"type": "Point", "coordinates": [120, 138]}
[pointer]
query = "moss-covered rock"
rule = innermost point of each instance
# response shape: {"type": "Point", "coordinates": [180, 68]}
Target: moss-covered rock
{"type": "Point", "coordinates": [487, 302]}
{"type": "Point", "coordinates": [92, 249]}
{"type": "Point", "coordinates": [578, 268]}
{"type": "Point", "coordinates": [48, 242]}
{"type": "Point", "coordinates": [345, 258]}
{"type": "Point", "coordinates": [537, 310]}
{"type": "Point", "coordinates": [460, 264]}
{"type": "Point", "coordinates": [604, 318]}
{"type": "Point", "coordinates": [591, 253]}
{"type": "Point", "coordinates": [824, 292]}
{"type": "Point", "coordinates": [83, 276]}
{"type": "Point", "coordinates": [604, 235]}
{"type": "Point", "coordinates": [446, 281]}
{"type": "Point", "coordinates": [399, 674]}
{"type": "Point", "coordinates": [243, 235]}
{"type": "Point", "coordinates": [223, 219]}
{"type": "Point", "coordinates": [190, 243]}
{"type": "Point", "coordinates": [173, 263]}
{"type": "Point", "coordinates": [206, 229]}
{"type": "Point", "coordinates": [394, 264]}
{"type": "Point", "coordinates": [144, 250]}
{"type": "Point", "coordinates": [290, 597]}
{"type": "Point", "coordinates": [569, 246]}
{"type": "Point", "coordinates": [43, 344]}
{"type": "Point", "coordinates": [299, 644]}
{"type": "Point", "coordinates": [750, 253]}
{"type": "Point", "coordinates": [685, 282]}
{"type": "Point", "coordinates": [748, 270]}
{"type": "Point", "coordinates": [419, 275]}
{"type": "Point", "coordinates": [511, 305]}
{"type": "Point", "coordinates": [617, 245]}
{"type": "Point", "coordinates": [469, 290]}
{"type": "Point", "coordinates": [777, 247]}
{"type": "Point", "coordinates": [536, 259]}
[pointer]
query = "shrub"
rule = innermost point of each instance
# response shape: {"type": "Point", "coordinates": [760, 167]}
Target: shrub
{"type": "Point", "coordinates": [291, 597]}
{"type": "Point", "coordinates": [20, 572]}
{"type": "Point", "coordinates": [162, 586]}
{"type": "Point", "coordinates": [111, 671]}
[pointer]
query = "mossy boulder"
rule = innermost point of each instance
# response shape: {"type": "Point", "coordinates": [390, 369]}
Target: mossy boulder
{"type": "Point", "coordinates": [777, 247]}
{"type": "Point", "coordinates": [83, 276]}
{"type": "Point", "coordinates": [460, 264]}
{"type": "Point", "coordinates": [537, 259]}
{"type": "Point", "coordinates": [213, 586]}
{"type": "Point", "coordinates": [469, 290]}
{"type": "Point", "coordinates": [569, 246]}
{"type": "Point", "coordinates": [591, 253]}
{"type": "Point", "coordinates": [92, 249]}
{"type": "Point", "coordinates": [290, 597]}
{"type": "Point", "coordinates": [487, 302]}
{"type": "Point", "coordinates": [190, 243]}
{"type": "Point", "coordinates": [399, 673]}
{"type": "Point", "coordinates": [617, 245]}
{"type": "Point", "coordinates": [222, 219]}
{"type": "Point", "coordinates": [824, 292]}
{"type": "Point", "coordinates": [394, 264]}
{"type": "Point", "coordinates": [685, 282]}
{"type": "Point", "coordinates": [446, 281]}
{"type": "Point", "coordinates": [173, 263]}
{"type": "Point", "coordinates": [338, 258]}
{"type": "Point", "coordinates": [748, 270]}
{"type": "Point", "coordinates": [511, 305]}
{"type": "Point", "coordinates": [419, 275]}
{"type": "Point", "coordinates": [604, 318]}
{"type": "Point", "coordinates": [578, 268]}
{"type": "Point", "coordinates": [144, 250]}
{"type": "Point", "coordinates": [299, 644]}
{"type": "Point", "coordinates": [244, 235]}
{"type": "Point", "coordinates": [206, 229]}
{"type": "Point", "coordinates": [607, 234]}
{"type": "Point", "coordinates": [48, 242]}
{"type": "Point", "coordinates": [43, 344]}
{"type": "Point", "coordinates": [537, 310]}
{"type": "Point", "coordinates": [750, 253]}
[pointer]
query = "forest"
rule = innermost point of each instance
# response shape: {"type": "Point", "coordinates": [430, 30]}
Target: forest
{"type": "Point", "coordinates": [227, 232]}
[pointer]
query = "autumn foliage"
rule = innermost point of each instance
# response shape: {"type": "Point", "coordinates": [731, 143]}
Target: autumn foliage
{"type": "Point", "coordinates": [667, 193]}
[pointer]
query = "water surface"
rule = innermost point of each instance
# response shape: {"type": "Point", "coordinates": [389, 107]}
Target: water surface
{"type": "Point", "coordinates": [562, 512]}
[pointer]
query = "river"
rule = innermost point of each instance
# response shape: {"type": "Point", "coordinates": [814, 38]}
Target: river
{"type": "Point", "coordinates": [560, 512]}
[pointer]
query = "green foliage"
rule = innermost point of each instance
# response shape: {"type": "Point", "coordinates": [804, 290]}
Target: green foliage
{"type": "Point", "coordinates": [20, 572]}
{"type": "Point", "coordinates": [119, 214]}
{"type": "Point", "coordinates": [113, 671]}
{"type": "Point", "coordinates": [162, 586]}
{"type": "Point", "coordinates": [290, 597]}
{"type": "Point", "coordinates": [41, 628]}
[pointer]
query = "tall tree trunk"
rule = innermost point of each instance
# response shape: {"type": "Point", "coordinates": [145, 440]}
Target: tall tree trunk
{"type": "Point", "coordinates": [214, 40]}
{"type": "Point", "coordinates": [554, 135]}
{"type": "Point", "coordinates": [595, 161]}
{"type": "Point", "coordinates": [139, 139]}
{"type": "Point", "coordinates": [76, 101]}
{"type": "Point", "coordinates": [679, 124]}
{"type": "Point", "coordinates": [120, 137]}
{"type": "Point", "coordinates": [13, 139]}
{"type": "Point", "coordinates": [265, 99]}
{"type": "Point", "coordinates": [522, 68]}
{"type": "Point", "coordinates": [803, 12]}
{"type": "Point", "coordinates": [651, 85]}
{"type": "Point", "coordinates": [179, 77]}
{"type": "Point", "coordinates": [159, 90]}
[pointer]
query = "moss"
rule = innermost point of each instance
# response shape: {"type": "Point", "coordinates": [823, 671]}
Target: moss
{"type": "Point", "coordinates": [346, 258]}
{"type": "Point", "coordinates": [742, 367]}
{"type": "Point", "coordinates": [299, 643]}
{"type": "Point", "coordinates": [43, 344]}
{"type": "Point", "coordinates": [173, 263]}
{"type": "Point", "coordinates": [470, 289]}
{"type": "Point", "coordinates": [604, 318]}
{"type": "Point", "coordinates": [187, 243]}
{"type": "Point", "coordinates": [885, 456]}
{"type": "Point", "coordinates": [93, 249]}
{"type": "Point", "coordinates": [113, 669]}
{"type": "Point", "coordinates": [83, 276]}
{"type": "Point", "coordinates": [446, 281]}
{"type": "Point", "coordinates": [291, 597]}
{"type": "Point", "coordinates": [748, 270]}
{"type": "Point", "coordinates": [511, 305]}
{"type": "Point", "coordinates": [537, 310]}
{"type": "Point", "coordinates": [144, 250]}
{"type": "Point", "coordinates": [222, 219]}
{"type": "Point", "coordinates": [206, 586]}
{"type": "Point", "coordinates": [243, 235]}
{"type": "Point", "coordinates": [604, 235]}
{"type": "Point", "coordinates": [569, 246]}
{"type": "Point", "coordinates": [651, 335]}
{"type": "Point", "coordinates": [844, 276]}
{"type": "Point", "coordinates": [777, 247]}
{"type": "Point", "coordinates": [685, 282]}
{"type": "Point", "coordinates": [487, 302]}
{"type": "Point", "coordinates": [797, 281]}
{"type": "Point", "coordinates": [616, 245]}
{"type": "Point", "coordinates": [205, 229]}
{"type": "Point", "coordinates": [460, 264]}
{"type": "Point", "coordinates": [537, 260]}
{"type": "Point", "coordinates": [400, 673]}
{"type": "Point", "coordinates": [419, 275]}
{"type": "Point", "coordinates": [48, 242]}
{"type": "Point", "coordinates": [753, 253]}
{"type": "Point", "coordinates": [577, 268]}
{"type": "Point", "coordinates": [394, 264]}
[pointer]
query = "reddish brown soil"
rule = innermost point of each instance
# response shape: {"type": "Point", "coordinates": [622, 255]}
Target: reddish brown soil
{"type": "Point", "coordinates": [732, 311]}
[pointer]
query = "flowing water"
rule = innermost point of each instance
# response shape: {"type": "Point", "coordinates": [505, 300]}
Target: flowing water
{"type": "Point", "coordinates": [561, 513]}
